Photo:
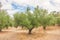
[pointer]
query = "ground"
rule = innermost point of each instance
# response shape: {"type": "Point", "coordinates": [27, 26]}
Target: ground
{"type": "Point", "coordinates": [51, 33]}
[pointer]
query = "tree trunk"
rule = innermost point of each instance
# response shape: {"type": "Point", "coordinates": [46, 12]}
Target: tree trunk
{"type": "Point", "coordinates": [22, 27]}
{"type": "Point", "coordinates": [58, 24]}
{"type": "Point", "coordinates": [30, 31]}
{"type": "Point", "coordinates": [6, 27]}
{"type": "Point", "coordinates": [16, 26]}
{"type": "Point", "coordinates": [44, 27]}
{"type": "Point", "coordinates": [0, 30]}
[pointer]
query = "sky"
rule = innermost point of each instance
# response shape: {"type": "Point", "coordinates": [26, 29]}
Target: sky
{"type": "Point", "coordinates": [13, 6]}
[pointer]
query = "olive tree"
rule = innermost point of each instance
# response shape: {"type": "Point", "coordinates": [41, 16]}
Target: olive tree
{"type": "Point", "coordinates": [8, 21]}
{"type": "Point", "coordinates": [57, 18]}
{"type": "Point", "coordinates": [4, 22]}
{"type": "Point", "coordinates": [16, 19]}
{"type": "Point", "coordinates": [58, 21]}
{"type": "Point", "coordinates": [44, 17]}
{"type": "Point", "coordinates": [47, 20]}
{"type": "Point", "coordinates": [27, 19]}
{"type": "Point", "coordinates": [3, 18]}
{"type": "Point", "coordinates": [31, 21]}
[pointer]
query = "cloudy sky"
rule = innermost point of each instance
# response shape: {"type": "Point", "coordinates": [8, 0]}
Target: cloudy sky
{"type": "Point", "coordinates": [20, 5]}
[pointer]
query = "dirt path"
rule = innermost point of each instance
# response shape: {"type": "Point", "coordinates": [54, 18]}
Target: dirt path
{"type": "Point", "coordinates": [7, 36]}
{"type": "Point", "coordinates": [54, 32]}
{"type": "Point", "coordinates": [17, 34]}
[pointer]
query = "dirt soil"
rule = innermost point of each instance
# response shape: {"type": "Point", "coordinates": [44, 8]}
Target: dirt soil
{"type": "Point", "coordinates": [51, 33]}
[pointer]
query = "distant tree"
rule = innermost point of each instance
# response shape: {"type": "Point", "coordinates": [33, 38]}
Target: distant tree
{"type": "Point", "coordinates": [9, 21]}
{"type": "Point", "coordinates": [58, 21]}
{"type": "Point", "coordinates": [23, 18]}
{"type": "Point", "coordinates": [44, 18]}
{"type": "Point", "coordinates": [56, 16]}
{"type": "Point", "coordinates": [16, 19]}
{"type": "Point", "coordinates": [3, 19]}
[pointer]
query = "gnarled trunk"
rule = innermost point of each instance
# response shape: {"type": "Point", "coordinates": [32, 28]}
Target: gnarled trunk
{"type": "Point", "coordinates": [0, 30]}
{"type": "Point", "coordinates": [6, 27]}
{"type": "Point", "coordinates": [16, 26]}
{"type": "Point", "coordinates": [22, 27]}
{"type": "Point", "coordinates": [44, 27]}
{"type": "Point", "coordinates": [30, 30]}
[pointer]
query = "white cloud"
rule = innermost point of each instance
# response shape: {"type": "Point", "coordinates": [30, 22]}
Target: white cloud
{"type": "Point", "coordinates": [24, 2]}
{"type": "Point", "coordinates": [57, 1]}
{"type": "Point", "coordinates": [42, 3]}
{"type": "Point", "coordinates": [5, 5]}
